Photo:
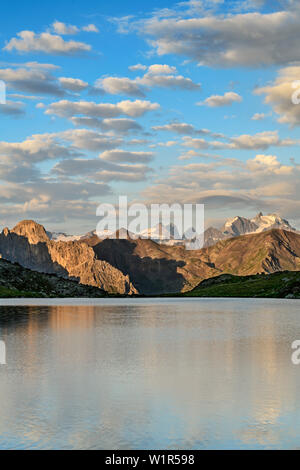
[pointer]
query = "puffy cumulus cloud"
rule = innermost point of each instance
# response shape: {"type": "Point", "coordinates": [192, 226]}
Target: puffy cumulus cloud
{"type": "Point", "coordinates": [120, 86]}
{"type": "Point", "coordinates": [284, 94]}
{"type": "Point", "coordinates": [34, 149]}
{"type": "Point", "coordinates": [31, 190]}
{"type": "Point", "coordinates": [85, 139]}
{"type": "Point", "coordinates": [99, 170]}
{"type": "Point", "coordinates": [136, 108]}
{"type": "Point", "coordinates": [164, 69]}
{"type": "Point", "coordinates": [261, 183]}
{"type": "Point", "coordinates": [168, 81]}
{"type": "Point", "coordinates": [137, 67]}
{"type": "Point", "coordinates": [32, 79]}
{"type": "Point", "coordinates": [90, 28]}
{"type": "Point", "coordinates": [29, 41]}
{"type": "Point", "coordinates": [157, 75]}
{"type": "Point", "coordinates": [216, 101]}
{"type": "Point", "coordinates": [64, 29]}
{"type": "Point", "coordinates": [196, 143]}
{"type": "Point", "coordinates": [247, 39]}
{"type": "Point", "coordinates": [73, 84]}
{"type": "Point", "coordinates": [68, 109]}
{"type": "Point", "coordinates": [126, 156]}
{"type": "Point", "coordinates": [56, 146]}
{"type": "Point", "coordinates": [262, 140]}
{"type": "Point", "coordinates": [269, 163]}
{"type": "Point", "coordinates": [119, 126]}
{"type": "Point", "coordinates": [259, 141]}
{"type": "Point", "coordinates": [12, 108]}
{"type": "Point", "coordinates": [67, 191]}
{"type": "Point", "coordinates": [122, 125]}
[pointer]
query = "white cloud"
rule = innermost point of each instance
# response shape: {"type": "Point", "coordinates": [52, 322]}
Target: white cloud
{"type": "Point", "coordinates": [186, 129]}
{"type": "Point", "coordinates": [269, 163]}
{"type": "Point", "coordinates": [259, 116]}
{"type": "Point", "coordinates": [260, 183]}
{"type": "Point", "coordinates": [216, 101]}
{"type": "Point", "coordinates": [65, 108]}
{"type": "Point", "coordinates": [177, 127]}
{"type": "Point", "coordinates": [280, 94]}
{"type": "Point", "coordinates": [162, 69]}
{"type": "Point", "coordinates": [90, 28]}
{"type": "Point", "coordinates": [135, 68]}
{"type": "Point", "coordinates": [63, 28]}
{"type": "Point", "coordinates": [157, 75]}
{"type": "Point", "coordinates": [85, 139]}
{"type": "Point", "coordinates": [97, 169]}
{"type": "Point", "coordinates": [73, 84]}
{"type": "Point", "coordinates": [34, 149]}
{"type": "Point", "coordinates": [67, 29]}
{"type": "Point", "coordinates": [248, 39]}
{"type": "Point", "coordinates": [32, 79]}
{"type": "Point", "coordinates": [29, 41]}
{"type": "Point", "coordinates": [168, 81]}
{"type": "Point", "coordinates": [120, 126]}
{"type": "Point", "coordinates": [120, 86]}
{"type": "Point", "coordinates": [259, 141]}
{"type": "Point", "coordinates": [12, 108]}
{"type": "Point", "coordinates": [196, 143]}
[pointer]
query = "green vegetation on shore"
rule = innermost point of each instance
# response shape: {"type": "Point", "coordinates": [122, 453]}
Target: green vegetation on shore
{"type": "Point", "coordinates": [284, 284]}
{"type": "Point", "coordinates": [19, 282]}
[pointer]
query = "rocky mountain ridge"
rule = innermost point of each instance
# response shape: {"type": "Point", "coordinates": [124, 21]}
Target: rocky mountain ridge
{"type": "Point", "coordinates": [142, 266]}
{"type": "Point", "coordinates": [16, 281]}
{"type": "Point", "coordinates": [29, 245]}
{"type": "Point", "coordinates": [169, 235]}
{"type": "Point", "coordinates": [238, 226]}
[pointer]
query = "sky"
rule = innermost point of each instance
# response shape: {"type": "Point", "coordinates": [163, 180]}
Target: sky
{"type": "Point", "coordinates": [162, 101]}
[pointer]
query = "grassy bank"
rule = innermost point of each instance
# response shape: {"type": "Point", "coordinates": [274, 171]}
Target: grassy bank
{"type": "Point", "coordinates": [284, 284]}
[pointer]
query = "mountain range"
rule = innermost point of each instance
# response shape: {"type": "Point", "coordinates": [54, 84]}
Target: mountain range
{"type": "Point", "coordinates": [143, 266]}
{"type": "Point", "coordinates": [169, 235]}
{"type": "Point", "coordinates": [238, 226]}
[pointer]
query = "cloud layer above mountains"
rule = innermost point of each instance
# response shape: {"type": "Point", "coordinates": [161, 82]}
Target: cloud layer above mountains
{"type": "Point", "coordinates": [191, 103]}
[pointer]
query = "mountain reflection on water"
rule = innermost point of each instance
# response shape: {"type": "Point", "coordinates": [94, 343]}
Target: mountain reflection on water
{"type": "Point", "coordinates": [148, 374]}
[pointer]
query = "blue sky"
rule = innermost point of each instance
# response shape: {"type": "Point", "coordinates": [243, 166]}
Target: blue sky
{"type": "Point", "coordinates": [176, 102]}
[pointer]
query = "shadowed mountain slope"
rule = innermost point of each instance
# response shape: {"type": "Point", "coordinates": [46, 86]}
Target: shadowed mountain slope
{"type": "Point", "coordinates": [16, 281]}
{"type": "Point", "coordinates": [29, 245]}
{"type": "Point", "coordinates": [130, 266]}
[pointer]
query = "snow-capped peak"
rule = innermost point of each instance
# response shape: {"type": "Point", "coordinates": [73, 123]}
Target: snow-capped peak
{"type": "Point", "coordinates": [267, 222]}
{"type": "Point", "coordinates": [62, 237]}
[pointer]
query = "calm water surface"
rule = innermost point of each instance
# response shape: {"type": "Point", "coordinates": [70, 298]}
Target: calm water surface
{"type": "Point", "coordinates": [150, 374]}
